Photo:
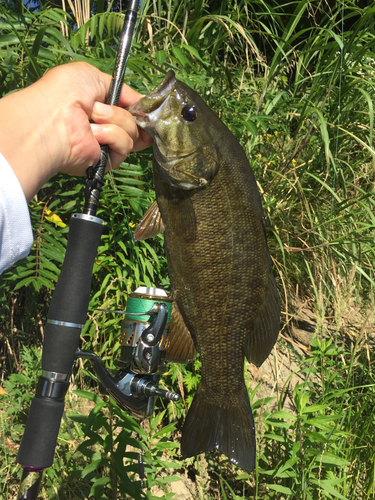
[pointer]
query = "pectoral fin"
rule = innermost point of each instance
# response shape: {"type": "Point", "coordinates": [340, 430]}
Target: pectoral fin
{"type": "Point", "coordinates": [181, 348]}
{"type": "Point", "coordinates": [150, 225]}
{"type": "Point", "coordinates": [262, 337]}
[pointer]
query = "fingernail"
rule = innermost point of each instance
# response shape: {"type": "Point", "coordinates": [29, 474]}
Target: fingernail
{"type": "Point", "coordinates": [96, 128]}
{"type": "Point", "coordinates": [102, 109]}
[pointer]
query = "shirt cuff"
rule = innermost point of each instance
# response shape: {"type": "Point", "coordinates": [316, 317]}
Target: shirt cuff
{"type": "Point", "coordinates": [16, 235]}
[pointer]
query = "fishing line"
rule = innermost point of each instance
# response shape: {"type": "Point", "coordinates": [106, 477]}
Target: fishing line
{"type": "Point", "coordinates": [114, 185]}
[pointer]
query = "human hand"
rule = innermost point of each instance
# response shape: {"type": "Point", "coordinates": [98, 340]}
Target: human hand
{"type": "Point", "coordinates": [48, 129]}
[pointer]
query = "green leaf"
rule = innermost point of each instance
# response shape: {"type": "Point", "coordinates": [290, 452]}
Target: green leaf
{"type": "Point", "coordinates": [328, 458]}
{"type": "Point", "coordinates": [169, 479]}
{"type": "Point", "coordinates": [180, 56]}
{"type": "Point", "coordinates": [280, 489]}
{"type": "Point", "coordinates": [88, 395]}
{"type": "Point", "coordinates": [97, 486]}
{"type": "Point", "coordinates": [283, 414]}
{"type": "Point", "coordinates": [275, 437]}
{"type": "Point", "coordinates": [161, 56]}
{"type": "Point", "coordinates": [315, 407]}
{"type": "Point", "coordinates": [327, 486]}
{"type": "Point", "coordinates": [194, 52]}
{"type": "Point", "coordinates": [95, 464]}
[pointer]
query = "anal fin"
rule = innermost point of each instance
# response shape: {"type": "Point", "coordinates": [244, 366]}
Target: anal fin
{"type": "Point", "coordinates": [181, 345]}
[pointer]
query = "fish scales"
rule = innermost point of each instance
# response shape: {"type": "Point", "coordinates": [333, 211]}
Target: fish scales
{"type": "Point", "coordinates": [219, 265]}
{"type": "Point", "coordinates": [218, 281]}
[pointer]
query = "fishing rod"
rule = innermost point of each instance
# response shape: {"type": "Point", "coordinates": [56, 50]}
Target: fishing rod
{"type": "Point", "coordinates": [145, 328]}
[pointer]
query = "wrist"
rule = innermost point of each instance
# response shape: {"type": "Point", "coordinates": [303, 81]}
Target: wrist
{"type": "Point", "coordinates": [27, 138]}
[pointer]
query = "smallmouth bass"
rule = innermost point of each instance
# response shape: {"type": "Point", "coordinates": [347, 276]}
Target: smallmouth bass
{"type": "Point", "coordinates": [226, 304]}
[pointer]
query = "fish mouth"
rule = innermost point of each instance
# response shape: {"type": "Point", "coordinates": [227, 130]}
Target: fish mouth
{"type": "Point", "coordinates": [154, 100]}
{"type": "Point", "coordinates": [139, 115]}
{"type": "Point", "coordinates": [166, 85]}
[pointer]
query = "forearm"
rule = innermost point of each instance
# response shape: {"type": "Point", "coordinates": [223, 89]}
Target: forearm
{"type": "Point", "coordinates": [24, 133]}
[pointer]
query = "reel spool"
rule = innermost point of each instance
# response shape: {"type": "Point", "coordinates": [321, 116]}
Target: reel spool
{"type": "Point", "coordinates": [145, 352]}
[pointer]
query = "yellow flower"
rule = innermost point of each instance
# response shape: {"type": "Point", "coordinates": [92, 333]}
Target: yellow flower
{"type": "Point", "coordinates": [294, 162]}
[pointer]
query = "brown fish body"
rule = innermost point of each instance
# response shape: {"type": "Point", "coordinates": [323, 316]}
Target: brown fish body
{"type": "Point", "coordinates": [223, 287]}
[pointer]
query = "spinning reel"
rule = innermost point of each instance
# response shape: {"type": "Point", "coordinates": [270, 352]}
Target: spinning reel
{"type": "Point", "coordinates": [145, 337]}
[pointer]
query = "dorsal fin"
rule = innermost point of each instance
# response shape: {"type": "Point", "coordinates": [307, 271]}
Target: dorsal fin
{"type": "Point", "coordinates": [150, 225]}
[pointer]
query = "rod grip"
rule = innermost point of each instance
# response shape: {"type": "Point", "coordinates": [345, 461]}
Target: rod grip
{"type": "Point", "coordinates": [71, 297]}
{"type": "Point", "coordinates": [66, 317]}
{"type": "Point", "coordinates": [42, 428]}
{"type": "Point", "coordinates": [72, 293]}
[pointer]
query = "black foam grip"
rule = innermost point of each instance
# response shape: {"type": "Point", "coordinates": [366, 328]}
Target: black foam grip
{"type": "Point", "coordinates": [59, 347]}
{"type": "Point", "coordinates": [72, 293]}
{"type": "Point", "coordinates": [71, 296]}
{"type": "Point", "coordinates": [42, 428]}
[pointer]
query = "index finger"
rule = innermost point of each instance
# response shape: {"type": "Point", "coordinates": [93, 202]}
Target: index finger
{"type": "Point", "coordinates": [128, 95]}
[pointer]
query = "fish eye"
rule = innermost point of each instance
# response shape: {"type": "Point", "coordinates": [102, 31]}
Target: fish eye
{"type": "Point", "coordinates": [189, 113]}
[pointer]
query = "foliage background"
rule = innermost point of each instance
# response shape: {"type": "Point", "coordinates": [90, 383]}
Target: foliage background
{"type": "Point", "coordinates": [294, 81]}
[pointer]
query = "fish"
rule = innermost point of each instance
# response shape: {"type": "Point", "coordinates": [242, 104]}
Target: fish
{"type": "Point", "coordinates": [226, 303]}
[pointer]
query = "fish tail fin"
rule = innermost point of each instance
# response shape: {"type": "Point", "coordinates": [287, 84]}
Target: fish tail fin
{"type": "Point", "coordinates": [227, 429]}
